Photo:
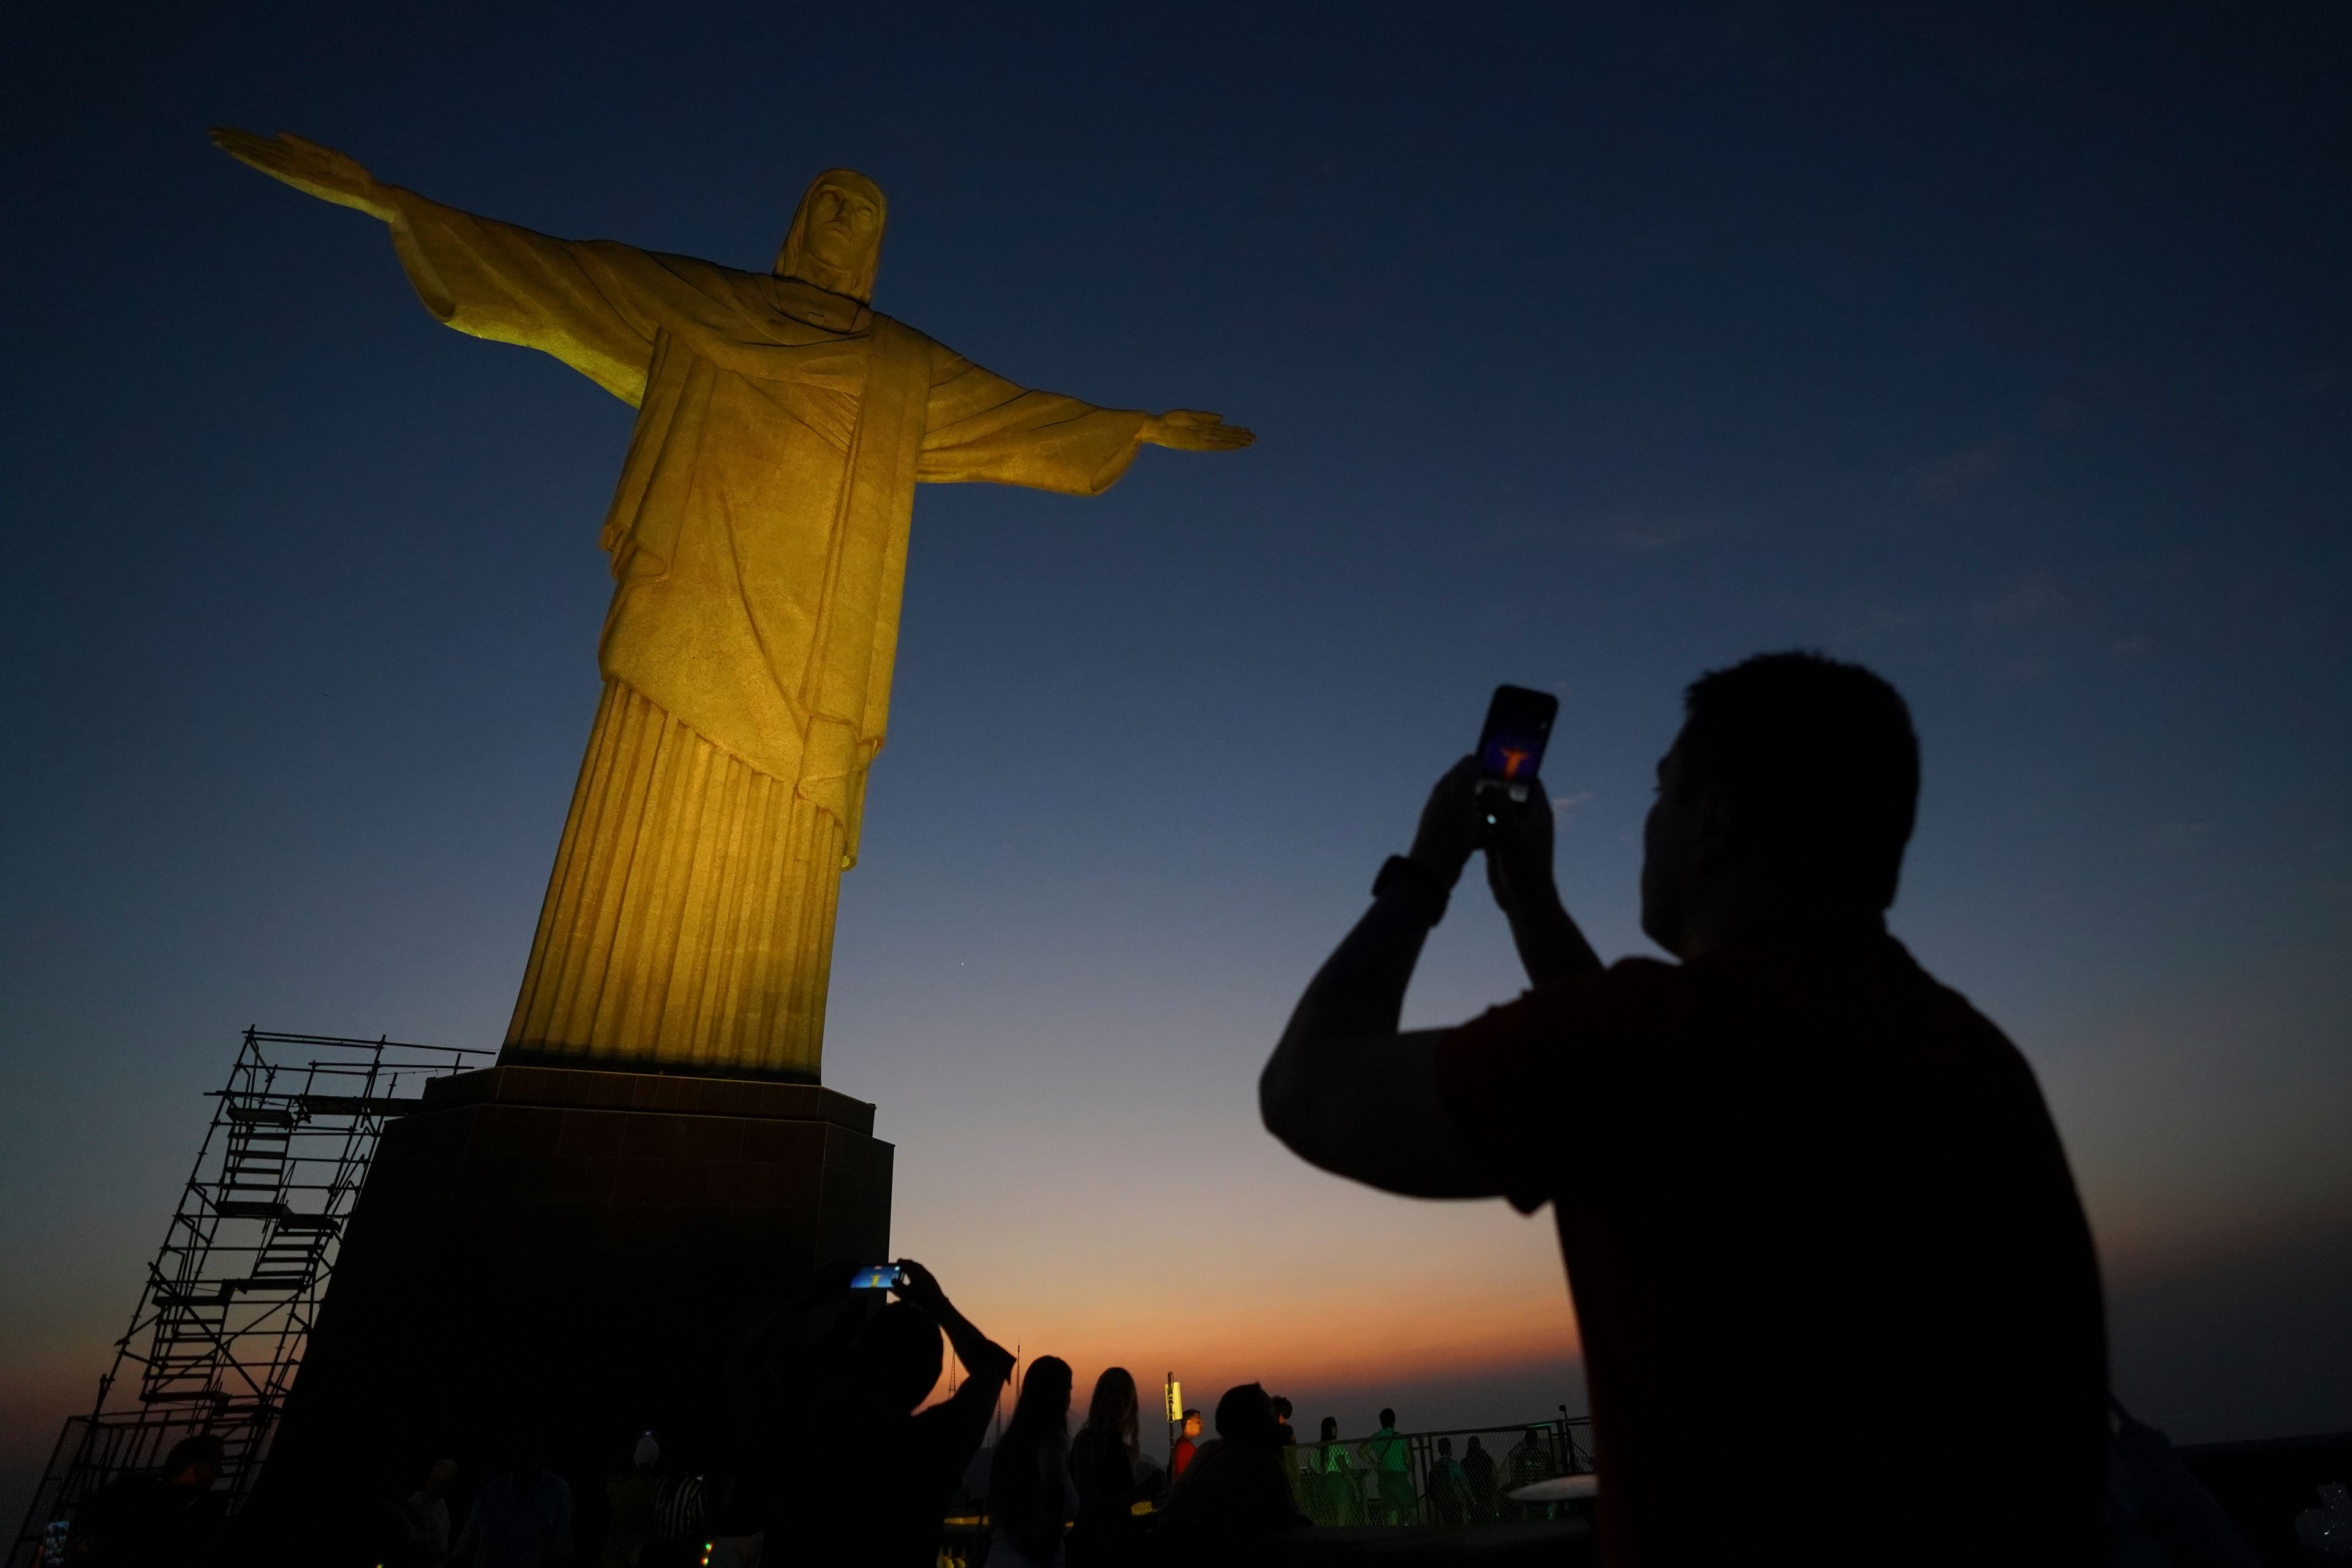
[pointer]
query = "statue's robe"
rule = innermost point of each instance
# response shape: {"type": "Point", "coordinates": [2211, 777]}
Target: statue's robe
{"type": "Point", "coordinates": [759, 537]}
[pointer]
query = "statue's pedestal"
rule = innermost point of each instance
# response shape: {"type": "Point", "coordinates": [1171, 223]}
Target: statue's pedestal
{"type": "Point", "coordinates": [579, 1249]}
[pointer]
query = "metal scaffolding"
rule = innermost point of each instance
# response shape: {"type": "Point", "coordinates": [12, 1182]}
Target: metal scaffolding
{"type": "Point", "coordinates": [236, 1287]}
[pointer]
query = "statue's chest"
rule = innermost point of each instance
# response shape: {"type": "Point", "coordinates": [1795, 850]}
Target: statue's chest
{"type": "Point", "coordinates": [761, 418]}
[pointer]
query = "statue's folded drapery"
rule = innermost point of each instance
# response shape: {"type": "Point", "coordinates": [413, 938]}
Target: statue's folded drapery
{"type": "Point", "coordinates": [759, 537]}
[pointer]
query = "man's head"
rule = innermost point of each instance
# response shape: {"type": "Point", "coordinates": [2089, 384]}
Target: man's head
{"type": "Point", "coordinates": [1191, 1423]}
{"type": "Point", "coordinates": [1789, 791]}
{"type": "Point", "coordinates": [835, 240]}
{"type": "Point", "coordinates": [899, 1354]}
{"type": "Point", "coordinates": [520, 1443]}
{"type": "Point", "coordinates": [194, 1461]}
{"type": "Point", "coordinates": [1282, 1409]}
{"type": "Point", "coordinates": [1245, 1418]}
{"type": "Point", "coordinates": [1387, 1418]}
{"type": "Point", "coordinates": [1445, 1448]}
{"type": "Point", "coordinates": [441, 1478]}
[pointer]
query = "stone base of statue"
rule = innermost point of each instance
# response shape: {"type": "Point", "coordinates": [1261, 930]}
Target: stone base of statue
{"type": "Point", "coordinates": [573, 1254]}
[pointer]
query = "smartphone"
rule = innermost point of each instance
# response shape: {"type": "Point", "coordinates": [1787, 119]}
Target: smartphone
{"type": "Point", "coordinates": [1511, 747]}
{"type": "Point", "coordinates": [881, 1277]}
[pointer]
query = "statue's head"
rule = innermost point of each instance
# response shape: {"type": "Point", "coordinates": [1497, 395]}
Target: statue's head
{"type": "Point", "coordinates": [835, 240]}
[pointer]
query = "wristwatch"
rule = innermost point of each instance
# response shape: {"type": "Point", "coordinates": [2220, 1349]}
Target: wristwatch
{"type": "Point", "coordinates": [1412, 881]}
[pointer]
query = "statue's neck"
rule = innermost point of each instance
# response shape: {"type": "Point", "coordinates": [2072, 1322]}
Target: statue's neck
{"type": "Point", "coordinates": [832, 280]}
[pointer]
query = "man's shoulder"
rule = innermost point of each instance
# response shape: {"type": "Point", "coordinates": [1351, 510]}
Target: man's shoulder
{"type": "Point", "coordinates": [1638, 995]}
{"type": "Point", "coordinates": [974, 1399]}
{"type": "Point", "coordinates": [1946, 1024]}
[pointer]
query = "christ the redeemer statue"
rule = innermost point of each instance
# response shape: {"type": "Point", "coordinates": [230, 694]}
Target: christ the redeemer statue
{"type": "Point", "coordinates": [759, 538]}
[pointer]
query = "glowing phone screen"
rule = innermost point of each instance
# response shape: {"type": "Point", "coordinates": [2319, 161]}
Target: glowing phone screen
{"type": "Point", "coordinates": [1518, 724]}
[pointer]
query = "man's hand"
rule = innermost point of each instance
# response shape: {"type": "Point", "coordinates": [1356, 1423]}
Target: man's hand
{"type": "Point", "coordinates": [921, 1289]}
{"type": "Point", "coordinates": [1191, 430]}
{"type": "Point", "coordinates": [317, 171]}
{"type": "Point", "coordinates": [1518, 852]}
{"type": "Point", "coordinates": [1519, 869]}
{"type": "Point", "coordinates": [1451, 823]}
{"type": "Point", "coordinates": [982, 1356]}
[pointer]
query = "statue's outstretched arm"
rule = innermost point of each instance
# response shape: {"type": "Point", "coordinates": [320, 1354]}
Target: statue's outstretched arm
{"type": "Point", "coordinates": [580, 301]}
{"type": "Point", "coordinates": [316, 170]}
{"type": "Point", "coordinates": [981, 426]}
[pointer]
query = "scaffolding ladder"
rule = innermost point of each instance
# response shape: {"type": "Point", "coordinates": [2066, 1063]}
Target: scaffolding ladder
{"type": "Point", "coordinates": [231, 1296]}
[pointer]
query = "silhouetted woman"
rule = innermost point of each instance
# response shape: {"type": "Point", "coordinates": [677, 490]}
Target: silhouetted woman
{"type": "Point", "coordinates": [1103, 1466]}
{"type": "Point", "coordinates": [1342, 1504]}
{"type": "Point", "coordinates": [1028, 1478]}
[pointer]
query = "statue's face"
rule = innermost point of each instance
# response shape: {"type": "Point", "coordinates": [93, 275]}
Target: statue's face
{"type": "Point", "coordinates": [842, 228]}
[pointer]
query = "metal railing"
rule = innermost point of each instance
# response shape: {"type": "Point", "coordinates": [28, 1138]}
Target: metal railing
{"type": "Point", "coordinates": [1461, 1476]}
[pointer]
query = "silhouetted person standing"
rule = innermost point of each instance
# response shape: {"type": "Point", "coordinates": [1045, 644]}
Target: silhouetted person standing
{"type": "Point", "coordinates": [1341, 1503]}
{"type": "Point", "coordinates": [1529, 1460]}
{"type": "Point", "coordinates": [775, 1376]}
{"type": "Point", "coordinates": [522, 1516]}
{"type": "Point", "coordinates": [1389, 1486]}
{"type": "Point", "coordinates": [1236, 1491]}
{"type": "Point", "coordinates": [1478, 1481]}
{"type": "Point", "coordinates": [678, 1527]}
{"type": "Point", "coordinates": [150, 1520]}
{"type": "Point", "coordinates": [1028, 1475]}
{"type": "Point", "coordinates": [421, 1532]}
{"type": "Point", "coordinates": [629, 1506]}
{"type": "Point", "coordinates": [1790, 1174]}
{"type": "Point", "coordinates": [1187, 1444]}
{"type": "Point", "coordinates": [1105, 1468]}
{"type": "Point", "coordinates": [1449, 1488]}
{"type": "Point", "coordinates": [883, 1475]}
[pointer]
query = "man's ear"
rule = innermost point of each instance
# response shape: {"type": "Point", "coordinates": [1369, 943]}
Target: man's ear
{"type": "Point", "coordinates": [1714, 826]}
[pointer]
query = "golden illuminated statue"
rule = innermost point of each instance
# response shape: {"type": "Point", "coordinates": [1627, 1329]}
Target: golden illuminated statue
{"type": "Point", "coordinates": [759, 538]}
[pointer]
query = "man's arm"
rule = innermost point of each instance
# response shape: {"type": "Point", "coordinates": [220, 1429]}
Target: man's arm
{"type": "Point", "coordinates": [982, 1356]}
{"type": "Point", "coordinates": [1344, 1089]}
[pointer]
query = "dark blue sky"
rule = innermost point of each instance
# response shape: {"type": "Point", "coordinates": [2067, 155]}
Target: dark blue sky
{"type": "Point", "coordinates": [2009, 351]}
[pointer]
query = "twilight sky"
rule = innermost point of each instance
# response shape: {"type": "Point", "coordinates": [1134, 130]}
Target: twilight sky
{"type": "Point", "coordinates": [2010, 353]}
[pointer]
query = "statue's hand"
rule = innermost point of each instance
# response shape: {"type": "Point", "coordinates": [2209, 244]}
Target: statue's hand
{"type": "Point", "coordinates": [1194, 430]}
{"type": "Point", "coordinates": [317, 171]}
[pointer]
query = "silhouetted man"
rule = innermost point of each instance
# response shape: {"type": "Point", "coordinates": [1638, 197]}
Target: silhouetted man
{"type": "Point", "coordinates": [1236, 1491]}
{"type": "Point", "coordinates": [1187, 1445]}
{"type": "Point", "coordinates": [1392, 1466]}
{"type": "Point", "coordinates": [1800, 1187]}
{"type": "Point", "coordinates": [522, 1516]}
{"type": "Point", "coordinates": [879, 1476]}
{"type": "Point", "coordinates": [421, 1536]}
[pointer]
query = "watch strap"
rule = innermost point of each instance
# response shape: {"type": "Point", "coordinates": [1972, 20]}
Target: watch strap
{"type": "Point", "coordinates": [1409, 879]}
